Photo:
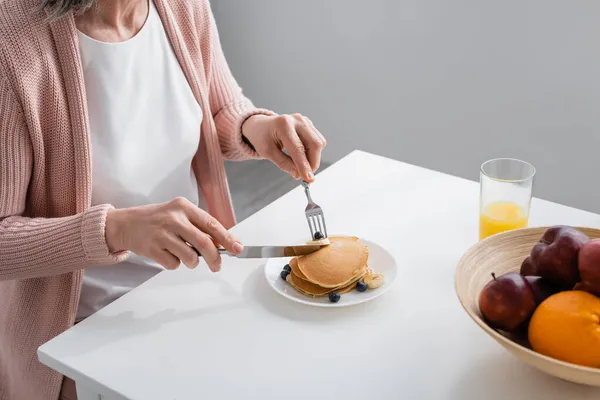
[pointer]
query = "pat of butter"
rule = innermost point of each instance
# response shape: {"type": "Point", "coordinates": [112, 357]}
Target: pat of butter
{"type": "Point", "coordinates": [322, 242]}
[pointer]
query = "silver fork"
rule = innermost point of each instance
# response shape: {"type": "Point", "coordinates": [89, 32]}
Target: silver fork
{"type": "Point", "coordinates": [314, 215]}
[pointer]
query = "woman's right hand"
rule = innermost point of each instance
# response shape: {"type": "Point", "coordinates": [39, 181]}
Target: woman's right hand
{"type": "Point", "coordinates": [159, 232]}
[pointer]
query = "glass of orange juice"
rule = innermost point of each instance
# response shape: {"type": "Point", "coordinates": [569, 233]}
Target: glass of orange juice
{"type": "Point", "coordinates": [505, 195]}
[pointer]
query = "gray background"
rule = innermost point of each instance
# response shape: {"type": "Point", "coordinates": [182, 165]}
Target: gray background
{"type": "Point", "coordinates": [444, 84]}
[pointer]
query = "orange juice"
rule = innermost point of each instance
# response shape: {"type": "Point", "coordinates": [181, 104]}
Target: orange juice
{"type": "Point", "coordinates": [501, 216]}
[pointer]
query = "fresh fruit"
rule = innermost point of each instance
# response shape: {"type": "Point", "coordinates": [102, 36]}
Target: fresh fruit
{"type": "Point", "coordinates": [318, 236]}
{"type": "Point", "coordinates": [554, 257]}
{"type": "Point", "coordinates": [585, 287]}
{"type": "Point", "coordinates": [589, 266]}
{"type": "Point", "coordinates": [527, 267]}
{"type": "Point", "coordinates": [334, 297]}
{"type": "Point", "coordinates": [507, 302]}
{"type": "Point", "coordinates": [284, 274]}
{"type": "Point", "coordinates": [361, 286]}
{"type": "Point", "coordinates": [542, 289]}
{"type": "Point", "coordinates": [373, 281]}
{"type": "Point", "coordinates": [566, 326]}
{"type": "Point", "coordinates": [287, 268]}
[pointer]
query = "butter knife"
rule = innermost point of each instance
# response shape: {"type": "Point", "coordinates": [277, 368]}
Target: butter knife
{"type": "Point", "coordinates": [272, 251]}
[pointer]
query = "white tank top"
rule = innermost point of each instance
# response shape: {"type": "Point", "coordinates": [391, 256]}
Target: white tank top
{"type": "Point", "coordinates": [145, 130]}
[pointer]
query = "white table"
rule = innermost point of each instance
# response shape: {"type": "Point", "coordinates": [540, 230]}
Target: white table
{"type": "Point", "coordinates": [191, 334]}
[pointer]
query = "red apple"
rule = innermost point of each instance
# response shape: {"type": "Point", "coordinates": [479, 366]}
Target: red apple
{"type": "Point", "coordinates": [527, 267]}
{"type": "Point", "coordinates": [585, 287]}
{"type": "Point", "coordinates": [507, 302]}
{"type": "Point", "coordinates": [542, 289]}
{"type": "Point", "coordinates": [589, 266]}
{"type": "Point", "coordinates": [555, 256]}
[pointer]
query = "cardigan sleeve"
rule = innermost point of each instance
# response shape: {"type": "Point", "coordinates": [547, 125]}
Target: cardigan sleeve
{"type": "Point", "coordinates": [38, 247]}
{"type": "Point", "coordinates": [229, 107]}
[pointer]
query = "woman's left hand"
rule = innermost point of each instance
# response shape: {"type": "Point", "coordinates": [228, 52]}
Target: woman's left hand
{"type": "Point", "coordinates": [270, 135]}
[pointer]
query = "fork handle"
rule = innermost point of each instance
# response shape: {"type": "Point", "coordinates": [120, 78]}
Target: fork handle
{"type": "Point", "coordinates": [307, 191]}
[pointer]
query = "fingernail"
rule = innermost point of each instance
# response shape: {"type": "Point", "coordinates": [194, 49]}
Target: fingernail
{"type": "Point", "coordinates": [295, 175]}
{"type": "Point", "coordinates": [237, 246]}
{"type": "Point", "coordinates": [311, 175]}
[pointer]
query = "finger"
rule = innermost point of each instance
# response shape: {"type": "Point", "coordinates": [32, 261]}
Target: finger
{"type": "Point", "coordinates": [312, 144]}
{"type": "Point", "coordinates": [203, 243]}
{"type": "Point", "coordinates": [176, 245]}
{"type": "Point", "coordinates": [217, 232]}
{"type": "Point", "coordinates": [284, 162]}
{"type": "Point", "coordinates": [292, 143]}
{"type": "Point", "coordinates": [188, 233]}
{"type": "Point", "coordinates": [166, 259]}
{"type": "Point", "coordinates": [317, 132]}
{"type": "Point", "coordinates": [207, 249]}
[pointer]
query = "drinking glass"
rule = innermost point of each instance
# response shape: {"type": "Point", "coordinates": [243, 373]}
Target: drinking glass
{"type": "Point", "coordinates": [505, 195]}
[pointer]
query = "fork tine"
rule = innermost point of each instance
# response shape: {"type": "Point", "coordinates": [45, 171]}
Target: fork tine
{"type": "Point", "coordinates": [315, 221]}
{"type": "Point", "coordinates": [324, 226]}
{"type": "Point", "coordinates": [318, 219]}
{"type": "Point", "coordinates": [309, 220]}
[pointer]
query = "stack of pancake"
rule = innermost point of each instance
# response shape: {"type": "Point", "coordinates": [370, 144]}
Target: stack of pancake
{"type": "Point", "coordinates": [336, 267]}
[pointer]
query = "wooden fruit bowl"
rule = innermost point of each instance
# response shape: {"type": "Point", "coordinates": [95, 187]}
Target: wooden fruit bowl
{"type": "Point", "coordinates": [500, 254]}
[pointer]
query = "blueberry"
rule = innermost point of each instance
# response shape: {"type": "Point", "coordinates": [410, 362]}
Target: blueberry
{"type": "Point", "coordinates": [287, 268]}
{"type": "Point", "coordinates": [334, 297]}
{"type": "Point", "coordinates": [361, 286]}
{"type": "Point", "coordinates": [318, 236]}
{"type": "Point", "coordinates": [284, 274]}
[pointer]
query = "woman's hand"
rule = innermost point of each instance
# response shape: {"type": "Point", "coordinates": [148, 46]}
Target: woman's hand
{"type": "Point", "coordinates": [296, 134]}
{"type": "Point", "coordinates": [159, 232]}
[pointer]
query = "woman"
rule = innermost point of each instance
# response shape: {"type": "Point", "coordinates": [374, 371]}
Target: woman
{"type": "Point", "coordinates": [115, 118]}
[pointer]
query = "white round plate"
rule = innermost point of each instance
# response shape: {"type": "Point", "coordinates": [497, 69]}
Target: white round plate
{"type": "Point", "coordinates": [380, 260]}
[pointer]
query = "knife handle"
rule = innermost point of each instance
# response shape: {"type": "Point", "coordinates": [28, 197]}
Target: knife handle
{"type": "Point", "coordinates": [221, 251]}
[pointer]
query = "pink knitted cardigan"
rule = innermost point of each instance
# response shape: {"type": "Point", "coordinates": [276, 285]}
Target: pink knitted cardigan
{"type": "Point", "coordinates": [48, 231]}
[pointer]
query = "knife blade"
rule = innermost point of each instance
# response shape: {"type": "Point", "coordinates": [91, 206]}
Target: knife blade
{"type": "Point", "coordinates": [272, 251]}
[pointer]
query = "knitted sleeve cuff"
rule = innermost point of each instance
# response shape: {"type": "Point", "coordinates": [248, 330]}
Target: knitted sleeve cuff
{"type": "Point", "coordinates": [229, 123]}
{"type": "Point", "coordinates": [93, 237]}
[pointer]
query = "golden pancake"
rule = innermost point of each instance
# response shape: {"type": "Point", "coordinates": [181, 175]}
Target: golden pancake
{"type": "Point", "coordinates": [295, 270]}
{"type": "Point", "coordinates": [310, 289]}
{"type": "Point", "coordinates": [335, 265]}
{"type": "Point", "coordinates": [306, 287]}
{"type": "Point", "coordinates": [362, 274]}
{"type": "Point", "coordinates": [349, 287]}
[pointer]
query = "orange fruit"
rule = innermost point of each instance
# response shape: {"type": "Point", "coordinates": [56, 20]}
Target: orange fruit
{"type": "Point", "coordinates": [566, 326]}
